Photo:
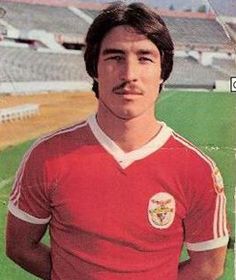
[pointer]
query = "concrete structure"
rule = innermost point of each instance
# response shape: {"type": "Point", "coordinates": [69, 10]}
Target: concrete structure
{"type": "Point", "coordinates": [18, 112]}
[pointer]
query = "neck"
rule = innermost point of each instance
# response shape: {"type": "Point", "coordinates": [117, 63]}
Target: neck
{"type": "Point", "coordinates": [129, 134]}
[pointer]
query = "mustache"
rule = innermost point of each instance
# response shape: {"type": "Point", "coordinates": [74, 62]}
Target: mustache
{"type": "Point", "coordinates": [126, 85]}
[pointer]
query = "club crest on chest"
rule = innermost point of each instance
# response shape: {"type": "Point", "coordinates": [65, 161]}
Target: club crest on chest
{"type": "Point", "coordinates": [161, 210]}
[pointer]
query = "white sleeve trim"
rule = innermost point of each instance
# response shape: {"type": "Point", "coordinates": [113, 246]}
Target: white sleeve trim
{"type": "Point", "coordinates": [208, 245]}
{"type": "Point", "coordinates": [25, 216]}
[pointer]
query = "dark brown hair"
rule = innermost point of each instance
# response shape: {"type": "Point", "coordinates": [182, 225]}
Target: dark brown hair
{"type": "Point", "coordinates": [140, 17]}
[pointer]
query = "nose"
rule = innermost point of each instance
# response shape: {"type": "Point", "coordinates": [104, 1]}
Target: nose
{"type": "Point", "coordinates": [129, 70]}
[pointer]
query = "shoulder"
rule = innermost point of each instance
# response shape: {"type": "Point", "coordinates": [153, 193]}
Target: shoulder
{"type": "Point", "coordinates": [58, 142]}
{"type": "Point", "coordinates": [194, 154]}
{"type": "Point", "coordinates": [201, 168]}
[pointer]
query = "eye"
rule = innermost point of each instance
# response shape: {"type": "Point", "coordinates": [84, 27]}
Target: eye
{"type": "Point", "coordinates": [145, 59]}
{"type": "Point", "coordinates": [115, 58]}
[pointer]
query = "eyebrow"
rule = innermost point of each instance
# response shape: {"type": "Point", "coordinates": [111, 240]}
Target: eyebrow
{"type": "Point", "coordinates": [112, 51]}
{"type": "Point", "coordinates": [119, 51]}
{"type": "Point", "coordinates": [146, 51]}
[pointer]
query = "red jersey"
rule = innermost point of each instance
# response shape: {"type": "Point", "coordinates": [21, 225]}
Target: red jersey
{"type": "Point", "coordinates": [120, 216]}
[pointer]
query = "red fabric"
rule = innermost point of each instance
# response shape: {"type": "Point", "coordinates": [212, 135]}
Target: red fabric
{"type": "Point", "coordinates": [99, 223]}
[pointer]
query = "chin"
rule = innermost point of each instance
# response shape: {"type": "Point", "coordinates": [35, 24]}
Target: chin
{"type": "Point", "coordinates": [127, 115]}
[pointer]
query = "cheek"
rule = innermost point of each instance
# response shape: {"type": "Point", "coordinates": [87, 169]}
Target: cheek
{"type": "Point", "coordinates": [105, 83]}
{"type": "Point", "coordinates": [151, 78]}
{"type": "Point", "coordinates": [106, 73]}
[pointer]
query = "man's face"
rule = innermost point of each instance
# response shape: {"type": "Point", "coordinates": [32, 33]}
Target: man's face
{"type": "Point", "coordinates": [129, 70]}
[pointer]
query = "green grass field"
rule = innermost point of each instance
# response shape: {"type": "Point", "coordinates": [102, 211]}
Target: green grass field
{"type": "Point", "coordinates": [206, 119]}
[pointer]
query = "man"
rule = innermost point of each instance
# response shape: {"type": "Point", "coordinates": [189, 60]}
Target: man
{"type": "Point", "coordinates": [121, 192]}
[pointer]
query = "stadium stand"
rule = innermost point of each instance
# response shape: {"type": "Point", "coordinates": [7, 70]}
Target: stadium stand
{"type": "Point", "coordinates": [196, 31]}
{"type": "Point", "coordinates": [192, 32]}
{"type": "Point", "coordinates": [18, 112]}
{"type": "Point", "coordinates": [3, 75]}
{"type": "Point", "coordinates": [232, 25]}
{"type": "Point", "coordinates": [2, 29]}
{"type": "Point", "coordinates": [227, 66]}
{"type": "Point", "coordinates": [194, 75]}
{"type": "Point", "coordinates": [186, 28]}
{"type": "Point", "coordinates": [57, 20]}
{"type": "Point", "coordinates": [24, 64]}
{"type": "Point", "coordinates": [190, 28]}
{"type": "Point", "coordinates": [91, 13]}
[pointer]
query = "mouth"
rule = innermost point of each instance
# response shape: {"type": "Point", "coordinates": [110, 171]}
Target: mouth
{"type": "Point", "coordinates": [128, 92]}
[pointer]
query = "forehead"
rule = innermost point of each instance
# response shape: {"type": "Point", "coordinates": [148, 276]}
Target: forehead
{"type": "Point", "coordinates": [126, 36]}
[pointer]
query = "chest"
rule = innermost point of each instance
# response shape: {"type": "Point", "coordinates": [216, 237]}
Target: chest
{"type": "Point", "coordinates": [97, 195]}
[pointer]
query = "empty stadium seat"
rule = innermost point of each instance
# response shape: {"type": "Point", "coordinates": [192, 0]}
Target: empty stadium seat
{"type": "Point", "coordinates": [196, 31]}
{"type": "Point", "coordinates": [227, 66]}
{"type": "Point", "coordinates": [57, 20]}
{"type": "Point", "coordinates": [188, 73]}
{"type": "Point", "coordinates": [24, 64]}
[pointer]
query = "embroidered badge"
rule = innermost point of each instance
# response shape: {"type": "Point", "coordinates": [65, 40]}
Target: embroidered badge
{"type": "Point", "coordinates": [218, 180]}
{"type": "Point", "coordinates": [161, 210]}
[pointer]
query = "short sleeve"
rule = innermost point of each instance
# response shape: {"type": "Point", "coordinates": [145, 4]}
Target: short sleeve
{"type": "Point", "coordinates": [205, 224]}
{"type": "Point", "coordinates": [29, 199]}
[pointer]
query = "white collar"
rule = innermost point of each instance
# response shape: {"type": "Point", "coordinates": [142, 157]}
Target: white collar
{"type": "Point", "coordinates": [124, 159]}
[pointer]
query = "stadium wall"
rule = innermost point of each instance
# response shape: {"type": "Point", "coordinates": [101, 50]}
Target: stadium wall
{"type": "Point", "coordinates": [18, 112]}
{"type": "Point", "coordinates": [33, 87]}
